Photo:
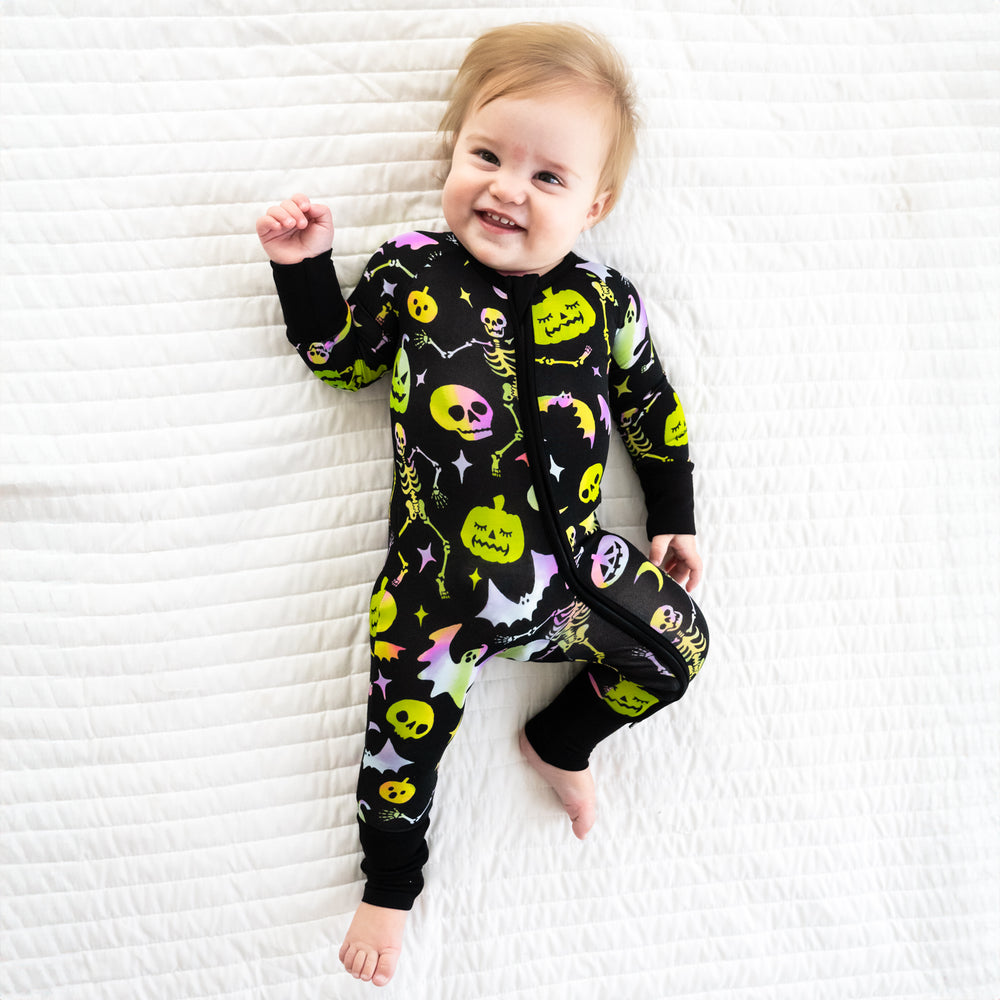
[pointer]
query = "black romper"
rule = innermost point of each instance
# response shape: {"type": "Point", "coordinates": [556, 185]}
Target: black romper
{"type": "Point", "coordinates": [503, 394]}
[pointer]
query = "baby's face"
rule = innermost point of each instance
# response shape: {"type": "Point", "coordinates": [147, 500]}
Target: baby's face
{"type": "Point", "coordinates": [524, 179]}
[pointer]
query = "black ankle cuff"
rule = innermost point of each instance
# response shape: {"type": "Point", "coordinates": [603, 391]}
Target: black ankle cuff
{"type": "Point", "coordinates": [565, 734]}
{"type": "Point", "coordinates": [393, 863]}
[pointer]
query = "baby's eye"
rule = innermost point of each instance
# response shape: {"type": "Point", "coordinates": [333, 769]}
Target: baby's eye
{"type": "Point", "coordinates": [549, 178]}
{"type": "Point", "coordinates": [487, 156]}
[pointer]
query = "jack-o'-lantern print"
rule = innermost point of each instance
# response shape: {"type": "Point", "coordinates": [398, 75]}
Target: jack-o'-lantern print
{"type": "Point", "coordinates": [561, 316]}
{"type": "Point", "coordinates": [422, 306]}
{"type": "Point", "coordinates": [399, 391]}
{"type": "Point", "coordinates": [609, 562]}
{"type": "Point", "coordinates": [382, 609]}
{"type": "Point", "coordinates": [397, 791]}
{"type": "Point", "coordinates": [493, 534]}
{"type": "Point", "coordinates": [675, 432]}
{"type": "Point", "coordinates": [627, 698]}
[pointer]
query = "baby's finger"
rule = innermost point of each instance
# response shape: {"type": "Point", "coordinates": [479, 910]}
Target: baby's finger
{"type": "Point", "coordinates": [267, 224]}
{"type": "Point", "coordinates": [693, 574]}
{"type": "Point", "coordinates": [294, 216]}
{"type": "Point", "coordinates": [320, 214]}
{"type": "Point", "coordinates": [276, 220]}
{"type": "Point", "coordinates": [281, 219]}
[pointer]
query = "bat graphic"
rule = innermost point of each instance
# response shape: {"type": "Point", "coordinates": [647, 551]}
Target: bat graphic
{"type": "Point", "coordinates": [385, 760]}
{"type": "Point", "coordinates": [387, 650]}
{"type": "Point", "coordinates": [414, 241]}
{"type": "Point", "coordinates": [581, 411]}
{"type": "Point", "coordinates": [500, 609]}
{"type": "Point", "coordinates": [605, 413]}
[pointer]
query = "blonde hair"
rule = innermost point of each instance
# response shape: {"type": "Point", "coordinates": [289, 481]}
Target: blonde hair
{"type": "Point", "coordinates": [534, 57]}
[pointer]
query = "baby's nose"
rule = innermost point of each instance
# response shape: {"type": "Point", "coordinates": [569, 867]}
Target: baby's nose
{"type": "Point", "coordinates": [506, 187]}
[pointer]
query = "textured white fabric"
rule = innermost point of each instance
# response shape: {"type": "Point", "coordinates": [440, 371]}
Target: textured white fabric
{"type": "Point", "coordinates": [191, 524]}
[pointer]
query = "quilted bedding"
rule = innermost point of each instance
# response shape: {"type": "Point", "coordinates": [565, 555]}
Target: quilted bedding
{"type": "Point", "coordinates": [191, 525]}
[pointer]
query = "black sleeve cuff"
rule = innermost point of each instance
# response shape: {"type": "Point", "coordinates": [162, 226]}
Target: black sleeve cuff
{"type": "Point", "coordinates": [309, 293]}
{"type": "Point", "coordinates": [669, 494]}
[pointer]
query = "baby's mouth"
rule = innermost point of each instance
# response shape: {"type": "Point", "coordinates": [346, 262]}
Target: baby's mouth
{"type": "Point", "coordinates": [501, 223]}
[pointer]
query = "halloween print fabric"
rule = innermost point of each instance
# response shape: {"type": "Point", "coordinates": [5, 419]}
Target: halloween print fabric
{"type": "Point", "coordinates": [503, 394]}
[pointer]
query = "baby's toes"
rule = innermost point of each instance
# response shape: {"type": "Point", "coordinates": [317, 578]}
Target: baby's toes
{"type": "Point", "coordinates": [385, 968]}
{"type": "Point", "coordinates": [355, 959]}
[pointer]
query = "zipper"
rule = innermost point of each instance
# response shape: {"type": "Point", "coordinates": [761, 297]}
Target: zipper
{"type": "Point", "coordinates": [580, 583]}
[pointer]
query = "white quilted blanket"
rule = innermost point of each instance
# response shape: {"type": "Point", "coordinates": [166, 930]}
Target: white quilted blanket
{"type": "Point", "coordinates": [191, 523]}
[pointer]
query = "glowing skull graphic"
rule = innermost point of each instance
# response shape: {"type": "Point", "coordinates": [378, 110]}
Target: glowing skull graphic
{"type": "Point", "coordinates": [411, 719]}
{"type": "Point", "coordinates": [494, 322]}
{"type": "Point", "coordinates": [462, 410]}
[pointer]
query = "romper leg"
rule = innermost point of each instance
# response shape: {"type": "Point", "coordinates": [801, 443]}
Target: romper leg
{"type": "Point", "coordinates": [420, 676]}
{"type": "Point", "coordinates": [627, 679]}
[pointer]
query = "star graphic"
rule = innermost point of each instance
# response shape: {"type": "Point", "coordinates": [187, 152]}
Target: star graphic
{"type": "Point", "coordinates": [425, 556]}
{"type": "Point", "coordinates": [421, 614]}
{"type": "Point", "coordinates": [421, 377]}
{"type": "Point", "coordinates": [622, 387]}
{"type": "Point", "coordinates": [461, 463]}
{"type": "Point", "coordinates": [387, 289]}
{"type": "Point", "coordinates": [382, 682]}
{"type": "Point", "coordinates": [465, 298]}
{"type": "Point", "coordinates": [556, 470]}
{"type": "Point", "coordinates": [475, 577]}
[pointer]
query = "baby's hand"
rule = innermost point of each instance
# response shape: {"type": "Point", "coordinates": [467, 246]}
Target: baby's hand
{"type": "Point", "coordinates": [295, 229]}
{"type": "Point", "coordinates": [678, 556]}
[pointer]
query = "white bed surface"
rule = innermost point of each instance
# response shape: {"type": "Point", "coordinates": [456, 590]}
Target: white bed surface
{"type": "Point", "coordinates": [190, 525]}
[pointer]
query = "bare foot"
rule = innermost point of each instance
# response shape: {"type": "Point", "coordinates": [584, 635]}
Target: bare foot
{"type": "Point", "coordinates": [373, 942]}
{"type": "Point", "coordinates": [575, 789]}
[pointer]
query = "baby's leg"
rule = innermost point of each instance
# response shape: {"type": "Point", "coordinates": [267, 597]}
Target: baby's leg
{"type": "Point", "coordinates": [631, 674]}
{"type": "Point", "coordinates": [575, 789]}
{"type": "Point", "coordinates": [421, 670]}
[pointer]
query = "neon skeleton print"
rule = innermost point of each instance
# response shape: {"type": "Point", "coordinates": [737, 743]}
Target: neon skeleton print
{"type": "Point", "coordinates": [503, 394]}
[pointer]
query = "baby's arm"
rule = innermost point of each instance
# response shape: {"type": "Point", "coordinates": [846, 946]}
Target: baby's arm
{"type": "Point", "coordinates": [295, 229]}
{"type": "Point", "coordinates": [341, 341]}
{"type": "Point", "coordinates": [651, 421]}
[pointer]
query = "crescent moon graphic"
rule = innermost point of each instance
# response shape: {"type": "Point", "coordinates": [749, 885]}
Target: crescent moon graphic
{"type": "Point", "coordinates": [648, 567]}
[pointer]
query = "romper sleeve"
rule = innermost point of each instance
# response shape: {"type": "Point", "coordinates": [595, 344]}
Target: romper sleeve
{"type": "Point", "coordinates": [651, 422]}
{"type": "Point", "coordinates": [347, 343]}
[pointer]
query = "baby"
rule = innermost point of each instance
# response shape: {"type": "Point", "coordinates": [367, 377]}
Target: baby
{"type": "Point", "coordinates": [510, 358]}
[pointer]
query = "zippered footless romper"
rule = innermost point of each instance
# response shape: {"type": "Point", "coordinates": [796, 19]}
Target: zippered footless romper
{"type": "Point", "coordinates": [503, 394]}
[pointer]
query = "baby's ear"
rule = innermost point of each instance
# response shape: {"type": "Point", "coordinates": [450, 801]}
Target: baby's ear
{"type": "Point", "coordinates": [600, 208]}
